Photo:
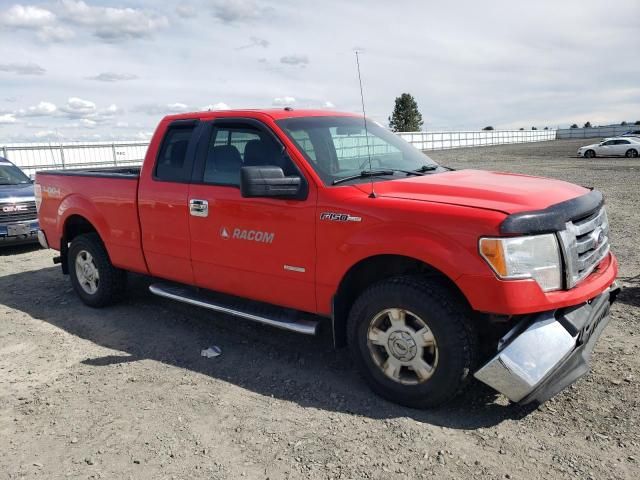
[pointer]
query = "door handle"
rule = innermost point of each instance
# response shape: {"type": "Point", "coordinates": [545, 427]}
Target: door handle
{"type": "Point", "coordinates": [198, 208]}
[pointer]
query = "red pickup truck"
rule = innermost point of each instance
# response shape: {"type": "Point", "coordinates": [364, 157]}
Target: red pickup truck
{"type": "Point", "coordinates": [299, 219]}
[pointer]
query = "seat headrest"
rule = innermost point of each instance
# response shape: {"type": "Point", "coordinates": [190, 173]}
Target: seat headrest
{"type": "Point", "coordinates": [227, 158]}
{"type": "Point", "coordinates": [260, 153]}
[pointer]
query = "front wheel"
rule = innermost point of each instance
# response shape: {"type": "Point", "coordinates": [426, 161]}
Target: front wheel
{"type": "Point", "coordinates": [589, 154]}
{"type": "Point", "coordinates": [412, 341]}
{"type": "Point", "coordinates": [631, 153]}
{"type": "Point", "coordinates": [96, 281]}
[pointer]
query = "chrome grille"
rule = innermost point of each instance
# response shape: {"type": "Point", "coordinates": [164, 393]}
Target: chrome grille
{"type": "Point", "coordinates": [585, 243]}
{"type": "Point", "coordinates": [8, 213]}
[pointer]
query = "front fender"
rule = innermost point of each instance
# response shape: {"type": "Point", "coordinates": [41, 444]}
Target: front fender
{"type": "Point", "coordinates": [446, 240]}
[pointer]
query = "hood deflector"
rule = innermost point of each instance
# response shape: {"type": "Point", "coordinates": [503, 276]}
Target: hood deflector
{"type": "Point", "coordinates": [553, 218]}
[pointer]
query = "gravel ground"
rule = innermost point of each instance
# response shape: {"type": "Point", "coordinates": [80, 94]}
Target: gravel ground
{"type": "Point", "coordinates": [124, 393]}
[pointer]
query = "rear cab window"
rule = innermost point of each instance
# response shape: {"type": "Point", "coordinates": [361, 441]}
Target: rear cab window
{"type": "Point", "coordinates": [173, 164]}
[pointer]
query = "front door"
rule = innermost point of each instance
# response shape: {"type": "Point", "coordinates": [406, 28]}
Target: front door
{"type": "Point", "coordinates": [258, 248]}
{"type": "Point", "coordinates": [163, 205]}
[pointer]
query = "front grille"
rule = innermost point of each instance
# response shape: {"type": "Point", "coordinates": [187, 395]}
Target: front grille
{"type": "Point", "coordinates": [18, 212]}
{"type": "Point", "coordinates": [585, 243]}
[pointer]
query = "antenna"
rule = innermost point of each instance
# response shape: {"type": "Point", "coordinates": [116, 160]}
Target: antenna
{"type": "Point", "coordinates": [366, 131]}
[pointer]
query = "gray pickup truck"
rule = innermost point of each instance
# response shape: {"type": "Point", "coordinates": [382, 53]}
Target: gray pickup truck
{"type": "Point", "coordinates": [18, 216]}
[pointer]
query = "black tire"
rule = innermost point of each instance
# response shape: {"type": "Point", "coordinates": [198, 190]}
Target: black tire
{"type": "Point", "coordinates": [631, 153]}
{"type": "Point", "coordinates": [589, 154]}
{"type": "Point", "coordinates": [449, 321]}
{"type": "Point", "coordinates": [111, 283]}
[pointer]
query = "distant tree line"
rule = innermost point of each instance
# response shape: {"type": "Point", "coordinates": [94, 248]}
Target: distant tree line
{"type": "Point", "coordinates": [407, 118]}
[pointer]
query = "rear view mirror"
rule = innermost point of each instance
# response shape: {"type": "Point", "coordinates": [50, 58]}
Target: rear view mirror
{"type": "Point", "coordinates": [349, 131]}
{"type": "Point", "coordinates": [270, 182]}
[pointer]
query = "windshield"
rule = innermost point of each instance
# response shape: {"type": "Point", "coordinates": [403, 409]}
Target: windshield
{"type": "Point", "coordinates": [12, 175]}
{"type": "Point", "coordinates": [336, 147]}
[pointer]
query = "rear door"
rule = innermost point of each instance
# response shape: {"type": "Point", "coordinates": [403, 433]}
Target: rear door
{"type": "Point", "coordinates": [621, 147]}
{"type": "Point", "coordinates": [163, 204]}
{"type": "Point", "coordinates": [258, 248]}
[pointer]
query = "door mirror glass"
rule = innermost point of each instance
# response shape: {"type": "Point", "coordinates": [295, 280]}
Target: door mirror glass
{"type": "Point", "coordinates": [269, 181]}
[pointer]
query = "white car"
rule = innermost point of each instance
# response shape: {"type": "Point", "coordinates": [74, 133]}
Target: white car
{"type": "Point", "coordinates": [610, 147]}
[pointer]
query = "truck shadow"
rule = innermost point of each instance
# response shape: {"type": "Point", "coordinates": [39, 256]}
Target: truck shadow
{"type": "Point", "coordinates": [8, 250]}
{"type": "Point", "coordinates": [300, 369]}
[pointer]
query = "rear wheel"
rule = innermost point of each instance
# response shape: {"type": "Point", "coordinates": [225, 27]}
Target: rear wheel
{"type": "Point", "coordinates": [412, 341]}
{"type": "Point", "coordinates": [96, 281]}
{"type": "Point", "coordinates": [589, 154]}
{"type": "Point", "coordinates": [631, 153]}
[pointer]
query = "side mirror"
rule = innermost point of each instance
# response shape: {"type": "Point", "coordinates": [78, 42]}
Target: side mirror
{"type": "Point", "coordinates": [270, 182]}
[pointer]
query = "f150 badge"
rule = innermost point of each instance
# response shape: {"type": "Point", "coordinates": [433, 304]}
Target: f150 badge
{"type": "Point", "coordinates": [250, 235]}
{"type": "Point", "coordinates": [339, 217]}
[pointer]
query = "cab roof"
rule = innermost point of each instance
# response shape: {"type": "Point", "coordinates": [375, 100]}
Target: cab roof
{"type": "Point", "coordinates": [274, 113]}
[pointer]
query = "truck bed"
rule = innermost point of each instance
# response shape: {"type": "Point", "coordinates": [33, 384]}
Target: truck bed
{"type": "Point", "coordinates": [106, 197]}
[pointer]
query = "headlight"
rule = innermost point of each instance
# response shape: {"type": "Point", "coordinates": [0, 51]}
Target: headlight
{"type": "Point", "coordinates": [536, 256]}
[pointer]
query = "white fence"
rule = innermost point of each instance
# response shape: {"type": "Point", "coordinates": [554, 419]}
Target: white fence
{"type": "Point", "coordinates": [445, 140]}
{"type": "Point", "coordinates": [32, 157]}
{"type": "Point", "coordinates": [596, 132]}
{"type": "Point", "coordinates": [45, 156]}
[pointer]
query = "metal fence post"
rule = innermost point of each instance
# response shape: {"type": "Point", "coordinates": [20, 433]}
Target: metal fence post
{"type": "Point", "coordinates": [4, 153]}
{"type": "Point", "coordinates": [115, 158]}
{"type": "Point", "coordinates": [62, 155]}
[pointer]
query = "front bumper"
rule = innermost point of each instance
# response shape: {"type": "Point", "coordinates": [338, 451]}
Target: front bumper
{"type": "Point", "coordinates": [546, 353]}
{"type": "Point", "coordinates": [28, 233]}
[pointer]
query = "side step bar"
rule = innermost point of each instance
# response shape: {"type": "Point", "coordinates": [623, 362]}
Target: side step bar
{"type": "Point", "coordinates": [262, 313]}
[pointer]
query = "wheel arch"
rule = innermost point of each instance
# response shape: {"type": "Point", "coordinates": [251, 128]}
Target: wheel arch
{"type": "Point", "coordinates": [73, 226]}
{"type": "Point", "coordinates": [371, 270]}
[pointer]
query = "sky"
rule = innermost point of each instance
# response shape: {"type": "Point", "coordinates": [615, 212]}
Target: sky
{"type": "Point", "coordinates": [96, 70]}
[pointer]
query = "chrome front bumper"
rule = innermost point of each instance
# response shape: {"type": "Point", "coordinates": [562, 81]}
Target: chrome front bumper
{"type": "Point", "coordinates": [543, 355]}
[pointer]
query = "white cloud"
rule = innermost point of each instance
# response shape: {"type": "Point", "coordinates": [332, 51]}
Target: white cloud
{"type": "Point", "coordinates": [236, 11]}
{"type": "Point", "coordinates": [77, 107]}
{"type": "Point", "coordinates": [283, 101]}
{"type": "Point", "coordinates": [113, 77]}
{"type": "Point", "coordinates": [143, 135]}
{"type": "Point", "coordinates": [216, 106]}
{"type": "Point", "coordinates": [114, 24]}
{"type": "Point", "coordinates": [295, 60]}
{"type": "Point", "coordinates": [186, 11]}
{"type": "Point", "coordinates": [22, 68]}
{"type": "Point", "coordinates": [47, 135]}
{"type": "Point", "coordinates": [88, 123]}
{"type": "Point", "coordinates": [328, 104]}
{"type": "Point", "coordinates": [255, 42]}
{"type": "Point", "coordinates": [28, 17]}
{"type": "Point", "coordinates": [42, 109]}
{"type": "Point", "coordinates": [55, 34]}
{"type": "Point", "coordinates": [7, 119]}
{"type": "Point", "coordinates": [162, 109]}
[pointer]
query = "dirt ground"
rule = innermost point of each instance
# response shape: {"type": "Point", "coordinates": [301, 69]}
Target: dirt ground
{"type": "Point", "coordinates": [124, 393]}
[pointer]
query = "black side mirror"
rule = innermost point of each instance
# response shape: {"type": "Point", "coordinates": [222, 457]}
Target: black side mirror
{"type": "Point", "coordinates": [270, 182]}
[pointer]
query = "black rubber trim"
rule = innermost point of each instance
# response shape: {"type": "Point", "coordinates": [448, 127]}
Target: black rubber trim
{"type": "Point", "coordinates": [553, 218]}
{"type": "Point", "coordinates": [124, 173]}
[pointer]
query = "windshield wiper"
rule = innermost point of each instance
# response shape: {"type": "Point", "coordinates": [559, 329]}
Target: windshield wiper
{"type": "Point", "coordinates": [426, 168]}
{"type": "Point", "coordinates": [363, 174]}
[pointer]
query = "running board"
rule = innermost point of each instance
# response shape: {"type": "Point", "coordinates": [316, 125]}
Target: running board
{"type": "Point", "coordinates": [278, 317]}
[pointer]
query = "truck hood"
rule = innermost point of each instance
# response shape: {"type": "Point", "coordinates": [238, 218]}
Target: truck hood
{"type": "Point", "coordinates": [12, 193]}
{"type": "Point", "coordinates": [504, 192]}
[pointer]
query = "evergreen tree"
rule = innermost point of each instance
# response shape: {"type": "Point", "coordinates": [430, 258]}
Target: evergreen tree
{"type": "Point", "coordinates": [405, 116]}
{"type": "Point", "coordinates": [587, 125]}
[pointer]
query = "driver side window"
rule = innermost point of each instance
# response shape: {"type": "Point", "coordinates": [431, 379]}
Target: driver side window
{"type": "Point", "coordinates": [231, 148]}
